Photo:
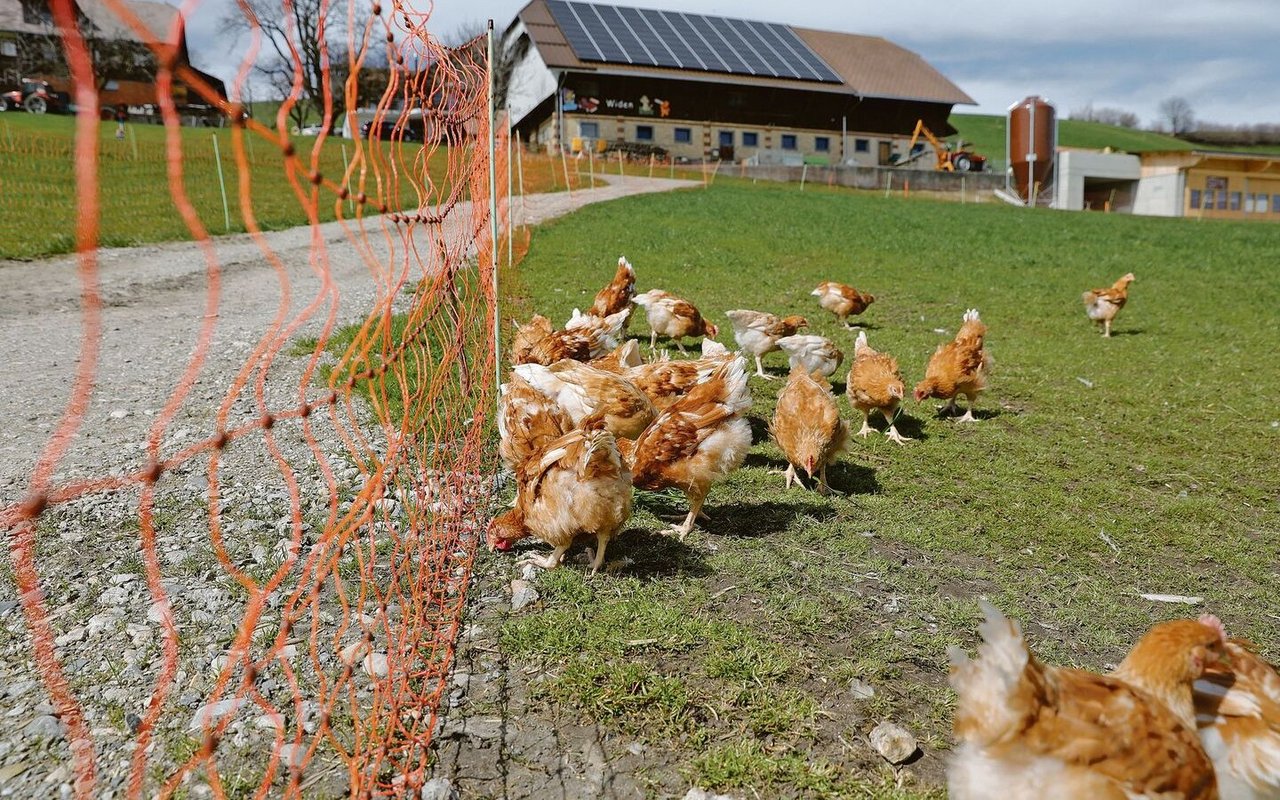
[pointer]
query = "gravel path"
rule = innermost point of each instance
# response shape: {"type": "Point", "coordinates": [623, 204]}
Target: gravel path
{"type": "Point", "coordinates": [108, 635]}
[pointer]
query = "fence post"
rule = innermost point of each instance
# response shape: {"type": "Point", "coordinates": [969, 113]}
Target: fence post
{"type": "Point", "coordinates": [591, 164]}
{"type": "Point", "coordinates": [506, 123]}
{"type": "Point", "coordinates": [620, 175]}
{"type": "Point", "coordinates": [804, 173]}
{"type": "Point", "coordinates": [222, 184]}
{"type": "Point", "coordinates": [520, 170]}
{"type": "Point", "coordinates": [133, 140]}
{"type": "Point", "coordinates": [493, 218]}
{"type": "Point", "coordinates": [564, 162]}
{"type": "Point", "coordinates": [888, 183]}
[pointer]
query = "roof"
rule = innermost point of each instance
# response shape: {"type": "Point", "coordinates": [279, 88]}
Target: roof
{"type": "Point", "coordinates": [159, 18]}
{"type": "Point", "coordinates": [868, 66]}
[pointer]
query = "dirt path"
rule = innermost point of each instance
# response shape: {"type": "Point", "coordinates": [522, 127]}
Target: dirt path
{"type": "Point", "coordinates": [154, 300]}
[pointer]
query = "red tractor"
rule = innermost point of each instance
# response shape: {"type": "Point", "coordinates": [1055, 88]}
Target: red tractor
{"type": "Point", "coordinates": [35, 96]}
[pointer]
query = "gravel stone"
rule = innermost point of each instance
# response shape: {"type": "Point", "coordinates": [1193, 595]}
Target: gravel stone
{"type": "Point", "coordinates": [893, 742]}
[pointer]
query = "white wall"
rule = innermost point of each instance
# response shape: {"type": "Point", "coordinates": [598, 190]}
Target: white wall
{"type": "Point", "coordinates": [1160, 193]}
{"type": "Point", "coordinates": [531, 80]}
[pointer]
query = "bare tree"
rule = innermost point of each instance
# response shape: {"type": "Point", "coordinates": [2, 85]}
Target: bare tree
{"type": "Point", "coordinates": [304, 42]}
{"type": "Point", "coordinates": [1177, 112]}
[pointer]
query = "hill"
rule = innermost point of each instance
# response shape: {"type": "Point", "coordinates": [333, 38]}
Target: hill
{"type": "Point", "coordinates": [985, 133]}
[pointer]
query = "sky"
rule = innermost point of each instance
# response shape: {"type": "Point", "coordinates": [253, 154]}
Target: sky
{"type": "Point", "coordinates": [1222, 56]}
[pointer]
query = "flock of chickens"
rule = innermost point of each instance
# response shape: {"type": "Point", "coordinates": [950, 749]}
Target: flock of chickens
{"type": "Point", "coordinates": [584, 419]}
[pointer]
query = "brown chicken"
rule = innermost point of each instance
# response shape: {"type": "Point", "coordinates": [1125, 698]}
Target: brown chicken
{"type": "Point", "coordinates": [537, 343]}
{"type": "Point", "coordinates": [808, 428]}
{"type": "Point", "coordinates": [527, 421]}
{"type": "Point", "coordinates": [673, 318]}
{"type": "Point", "coordinates": [623, 357]}
{"type": "Point", "coordinates": [1102, 305]}
{"type": "Point", "coordinates": [758, 332]}
{"type": "Point", "coordinates": [1028, 730]}
{"type": "Point", "coordinates": [618, 295]}
{"type": "Point", "coordinates": [958, 367]}
{"type": "Point", "coordinates": [585, 393]}
{"type": "Point", "coordinates": [665, 381]}
{"type": "Point", "coordinates": [699, 440]}
{"type": "Point", "coordinates": [575, 485]}
{"type": "Point", "coordinates": [875, 384]}
{"type": "Point", "coordinates": [842, 300]}
{"type": "Point", "coordinates": [1238, 711]}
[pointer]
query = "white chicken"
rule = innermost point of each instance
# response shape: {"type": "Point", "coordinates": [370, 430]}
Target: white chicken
{"type": "Point", "coordinates": [814, 353]}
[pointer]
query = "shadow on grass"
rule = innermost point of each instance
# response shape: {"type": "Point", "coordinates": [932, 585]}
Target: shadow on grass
{"type": "Point", "coordinates": [1125, 332]}
{"type": "Point", "coordinates": [751, 520]}
{"type": "Point", "coordinates": [657, 554]}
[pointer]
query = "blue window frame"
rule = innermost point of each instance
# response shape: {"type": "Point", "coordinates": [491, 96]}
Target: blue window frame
{"type": "Point", "coordinates": [750, 139]}
{"type": "Point", "coordinates": [726, 138]}
{"type": "Point", "coordinates": [684, 135]}
{"type": "Point", "coordinates": [644, 133]}
{"type": "Point", "coordinates": [589, 130]}
{"type": "Point", "coordinates": [822, 144]}
{"type": "Point", "coordinates": [788, 141]}
{"type": "Point", "coordinates": [862, 145]}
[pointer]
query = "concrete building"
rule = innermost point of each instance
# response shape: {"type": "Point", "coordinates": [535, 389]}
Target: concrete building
{"type": "Point", "coordinates": [1173, 183]}
{"type": "Point", "coordinates": [698, 87]}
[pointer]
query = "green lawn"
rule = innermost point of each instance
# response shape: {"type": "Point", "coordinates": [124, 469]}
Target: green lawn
{"type": "Point", "coordinates": [37, 189]}
{"type": "Point", "coordinates": [1159, 441]}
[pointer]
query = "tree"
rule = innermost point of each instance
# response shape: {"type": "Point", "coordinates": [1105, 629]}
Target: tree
{"type": "Point", "coordinates": [1177, 112]}
{"type": "Point", "coordinates": [303, 41]}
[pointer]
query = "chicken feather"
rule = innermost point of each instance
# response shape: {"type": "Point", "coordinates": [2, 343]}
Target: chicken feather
{"type": "Point", "coordinates": [958, 367]}
{"type": "Point", "coordinates": [758, 332]}
{"type": "Point", "coordinates": [585, 393]}
{"type": "Point", "coordinates": [842, 300]}
{"type": "Point", "coordinates": [1238, 712]}
{"type": "Point", "coordinates": [875, 384]}
{"type": "Point", "coordinates": [673, 317]}
{"type": "Point", "coordinates": [1102, 305]}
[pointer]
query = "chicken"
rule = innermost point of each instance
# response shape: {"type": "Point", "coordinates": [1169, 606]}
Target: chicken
{"type": "Point", "coordinates": [1238, 711]}
{"type": "Point", "coordinates": [814, 353]}
{"type": "Point", "coordinates": [575, 485]}
{"type": "Point", "coordinates": [606, 332]}
{"type": "Point", "coordinates": [585, 393]}
{"type": "Point", "coordinates": [536, 343]}
{"type": "Point", "coordinates": [699, 440]}
{"type": "Point", "coordinates": [665, 381]}
{"type": "Point", "coordinates": [617, 296]}
{"type": "Point", "coordinates": [1102, 305]}
{"type": "Point", "coordinates": [808, 427]}
{"type": "Point", "coordinates": [527, 421]}
{"type": "Point", "coordinates": [758, 332]}
{"type": "Point", "coordinates": [875, 384]}
{"type": "Point", "coordinates": [842, 300]}
{"type": "Point", "coordinates": [1028, 730]}
{"type": "Point", "coordinates": [673, 318]}
{"type": "Point", "coordinates": [958, 367]}
{"type": "Point", "coordinates": [623, 357]}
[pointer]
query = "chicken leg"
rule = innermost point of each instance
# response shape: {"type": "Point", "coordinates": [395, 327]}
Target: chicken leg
{"type": "Point", "coordinates": [790, 475]}
{"type": "Point", "coordinates": [1106, 328]}
{"type": "Point", "coordinates": [680, 344]}
{"type": "Point", "coordinates": [866, 425]}
{"type": "Point", "coordinates": [597, 557]}
{"type": "Point", "coordinates": [695, 508]}
{"type": "Point", "coordinates": [823, 487]}
{"type": "Point", "coordinates": [653, 341]}
{"type": "Point", "coordinates": [760, 370]}
{"type": "Point", "coordinates": [968, 414]}
{"type": "Point", "coordinates": [891, 431]}
{"type": "Point", "coordinates": [550, 561]}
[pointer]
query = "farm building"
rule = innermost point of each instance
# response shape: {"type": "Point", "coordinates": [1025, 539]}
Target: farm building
{"type": "Point", "coordinates": [586, 75]}
{"type": "Point", "coordinates": [125, 62]}
{"type": "Point", "coordinates": [1175, 183]}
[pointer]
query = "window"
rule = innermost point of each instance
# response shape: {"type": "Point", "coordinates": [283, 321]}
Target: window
{"type": "Point", "coordinates": [9, 49]}
{"type": "Point", "coordinates": [822, 144]}
{"type": "Point", "coordinates": [1260, 202]}
{"type": "Point", "coordinates": [1235, 201]}
{"type": "Point", "coordinates": [750, 139]}
{"type": "Point", "coordinates": [862, 145]}
{"type": "Point", "coordinates": [1275, 203]}
{"type": "Point", "coordinates": [788, 141]}
{"type": "Point", "coordinates": [1195, 198]}
{"type": "Point", "coordinates": [589, 130]}
{"type": "Point", "coordinates": [644, 133]}
{"type": "Point", "coordinates": [726, 138]}
{"type": "Point", "coordinates": [36, 12]}
{"type": "Point", "coordinates": [684, 135]}
{"type": "Point", "coordinates": [1222, 200]}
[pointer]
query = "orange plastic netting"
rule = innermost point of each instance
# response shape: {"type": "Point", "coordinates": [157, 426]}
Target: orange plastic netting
{"type": "Point", "coordinates": [326, 494]}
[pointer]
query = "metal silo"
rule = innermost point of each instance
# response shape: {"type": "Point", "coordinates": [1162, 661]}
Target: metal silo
{"type": "Point", "coordinates": [1031, 139]}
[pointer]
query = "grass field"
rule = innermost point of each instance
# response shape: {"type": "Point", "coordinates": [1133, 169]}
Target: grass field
{"type": "Point", "coordinates": [1100, 469]}
{"type": "Point", "coordinates": [37, 189]}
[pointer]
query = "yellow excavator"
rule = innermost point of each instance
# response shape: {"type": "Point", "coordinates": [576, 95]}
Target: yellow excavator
{"type": "Point", "coordinates": [958, 160]}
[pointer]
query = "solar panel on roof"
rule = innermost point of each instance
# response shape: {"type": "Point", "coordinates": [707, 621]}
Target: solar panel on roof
{"type": "Point", "coordinates": [646, 37]}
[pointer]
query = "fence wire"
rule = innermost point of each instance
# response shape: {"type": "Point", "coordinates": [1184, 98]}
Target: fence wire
{"type": "Point", "coordinates": [329, 500]}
